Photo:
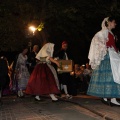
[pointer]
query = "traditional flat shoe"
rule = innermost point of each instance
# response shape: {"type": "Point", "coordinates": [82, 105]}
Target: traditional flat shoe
{"type": "Point", "coordinates": [39, 100]}
{"type": "Point", "coordinates": [106, 102]}
{"type": "Point", "coordinates": [69, 97]}
{"type": "Point", "coordinates": [113, 104]}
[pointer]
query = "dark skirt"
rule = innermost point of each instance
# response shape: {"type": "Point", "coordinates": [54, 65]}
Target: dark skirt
{"type": "Point", "coordinates": [42, 81]}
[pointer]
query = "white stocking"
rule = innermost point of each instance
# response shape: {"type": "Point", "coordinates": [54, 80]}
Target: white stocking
{"type": "Point", "coordinates": [65, 89]}
{"type": "Point", "coordinates": [61, 86]}
{"type": "Point", "coordinates": [53, 97]}
{"type": "Point", "coordinates": [105, 99]}
{"type": "Point", "coordinates": [37, 97]}
{"type": "Point", "coordinates": [21, 92]}
{"type": "Point", "coordinates": [113, 100]}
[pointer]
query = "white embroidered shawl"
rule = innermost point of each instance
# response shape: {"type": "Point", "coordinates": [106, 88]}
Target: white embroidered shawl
{"type": "Point", "coordinates": [98, 47]}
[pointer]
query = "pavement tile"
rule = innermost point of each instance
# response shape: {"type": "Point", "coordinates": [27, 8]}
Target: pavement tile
{"type": "Point", "coordinates": [22, 110]}
{"type": "Point", "coordinates": [95, 105]}
{"type": "Point", "coordinates": [27, 109]}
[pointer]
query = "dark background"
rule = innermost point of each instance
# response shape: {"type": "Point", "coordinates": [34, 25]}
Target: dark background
{"type": "Point", "coordinates": [73, 20]}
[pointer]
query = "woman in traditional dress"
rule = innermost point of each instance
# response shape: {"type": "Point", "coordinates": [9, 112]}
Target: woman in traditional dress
{"type": "Point", "coordinates": [43, 79]}
{"type": "Point", "coordinates": [102, 83]}
{"type": "Point", "coordinates": [21, 72]}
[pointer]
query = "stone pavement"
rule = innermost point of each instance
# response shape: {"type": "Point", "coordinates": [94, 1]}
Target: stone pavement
{"type": "Point", "coordinates": [95, 105]}
{"type": "Point", "coordinates": [28, 109]}
{"type": "Point", "coordinates": [84, 108]}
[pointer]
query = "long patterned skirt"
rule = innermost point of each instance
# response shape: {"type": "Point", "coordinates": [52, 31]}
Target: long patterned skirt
{"type": "Point", "coordinates": [102, 83]}
{"type": "Point", "coordinates": [42, 81]}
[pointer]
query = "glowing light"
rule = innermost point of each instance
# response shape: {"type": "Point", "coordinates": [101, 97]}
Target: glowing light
{"type": "Point", "coordinates": [32, 28]}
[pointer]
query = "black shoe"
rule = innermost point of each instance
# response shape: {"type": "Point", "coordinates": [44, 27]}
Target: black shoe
{"type": "Point", "coordinates": [113, 104]}
{"type": "Point", "coordinates": [106, 102]}
{"type": "Point", "coordinates": [68, 97]}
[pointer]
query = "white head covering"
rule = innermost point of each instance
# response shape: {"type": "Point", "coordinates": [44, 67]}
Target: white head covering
{"type": "Point", "coordinates": [46, 51]}
{"type": "Point", "coordinates": [98, 47]}
{"type": "Point", "coordinates": [103, 23]}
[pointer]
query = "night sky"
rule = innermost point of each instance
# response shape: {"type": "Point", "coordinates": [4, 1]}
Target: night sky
{"type": "Point", "coordinates": [70, 20]}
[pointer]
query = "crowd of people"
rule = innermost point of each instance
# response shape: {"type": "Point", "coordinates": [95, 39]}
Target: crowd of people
{"type": "Point", "coordinates": [33, 74]}
{"type": "Point", "coordinates": [36, 73]}
{"type": "Point", "coordinates": [82, 77]}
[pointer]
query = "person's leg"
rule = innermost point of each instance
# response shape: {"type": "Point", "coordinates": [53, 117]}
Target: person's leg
{"type": "Point", "coordinates": [53, 97]}
{"type": "Point", "coordinates": [114, 101]}
{"type": "Point", "coordinates": [37, 98]}
{"type": "Point", "coordinates": [66, 83]}
{"type": "Point", "coordinates": [20, 93]}
{"type": "Point", "coordinates": [1, 96]}
{"type": "Point", "coordinates": [66, 92]}
{"type": "Point", "coordinates": [111, 101]}
{"type": "Point", "coordinates": [65, 89]}
{"type": "Point", "coordinates": [105, 99]}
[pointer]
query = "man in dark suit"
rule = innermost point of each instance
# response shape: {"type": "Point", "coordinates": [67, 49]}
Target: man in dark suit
{"type": "Point", "coordinates": [64, 78]}
{"type": "Point", "coordinates": [32, 59]}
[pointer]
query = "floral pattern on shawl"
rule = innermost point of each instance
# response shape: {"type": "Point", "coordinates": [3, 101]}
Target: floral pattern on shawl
{"type": "Point", "coordinates": [98, 48]}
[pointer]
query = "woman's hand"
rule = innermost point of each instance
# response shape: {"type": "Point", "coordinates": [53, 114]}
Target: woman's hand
{"type": "Point", "coordinates": [54, 61]}
{"type": "Point", "coordinates": [57, 63]}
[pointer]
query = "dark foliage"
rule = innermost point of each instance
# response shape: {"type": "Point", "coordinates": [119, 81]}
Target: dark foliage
{"type": "Point", "coordinates": [73, 20]}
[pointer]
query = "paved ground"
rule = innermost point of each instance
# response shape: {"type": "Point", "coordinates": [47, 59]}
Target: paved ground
{"type": "Point", "coordinates": [27, 109]}
{"type": "Point", "coordinates": [81, 107]}
{"type": "Point", "coordinates": [95, 105]}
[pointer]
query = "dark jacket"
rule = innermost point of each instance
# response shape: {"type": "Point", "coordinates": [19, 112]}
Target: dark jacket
{"type": "Point", "coordinates": [3, 72]}
{"type": "Point", "coordinates": [32, 59]}
{"type": "Point", "coordinates": [61, 54]}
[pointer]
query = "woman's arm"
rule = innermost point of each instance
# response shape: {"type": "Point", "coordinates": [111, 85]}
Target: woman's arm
{"type": "Point", "coordinates": [54, 61]}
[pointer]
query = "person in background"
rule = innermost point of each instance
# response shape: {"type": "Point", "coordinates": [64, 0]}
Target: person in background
{"type": "Point", "coordinates": [31, 58]}
{"type": "Point", "coordinates": [21, 72]}
{"type": "Point", "coordinates": [43, 80]}
{"type": "Point", "coordinates": [79, 72]}
{"type": "Point", "coordinates": [3, 75]}
{"type": "Point", "coordinates": [7, 89]}
{"type": "Point", "coordinates": [14, 83]}
{"type": "Point", "coordinates": [77, 77]}
{"type": "Point", "coordinates": [103, 82]}
{"type": "Point", "coordinates": [64, 78]}
{"type": "Point", "coordinates": [87, 72]}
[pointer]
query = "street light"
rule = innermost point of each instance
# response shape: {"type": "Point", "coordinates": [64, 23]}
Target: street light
{"type": "Point", "coordinates": [33, 29]}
